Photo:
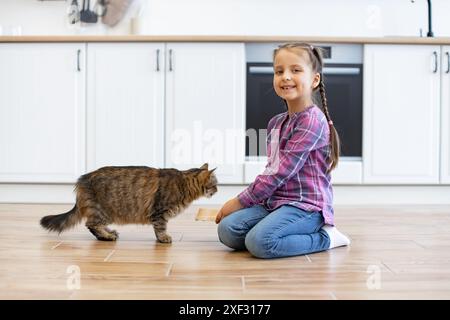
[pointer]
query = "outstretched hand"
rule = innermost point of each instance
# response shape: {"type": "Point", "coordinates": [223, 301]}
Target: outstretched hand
{"type": "Point", "coordinates": [228, 208]}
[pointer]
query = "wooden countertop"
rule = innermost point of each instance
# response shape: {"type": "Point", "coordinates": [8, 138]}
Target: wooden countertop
{"type": "Point", "coordinates": [196, 38]}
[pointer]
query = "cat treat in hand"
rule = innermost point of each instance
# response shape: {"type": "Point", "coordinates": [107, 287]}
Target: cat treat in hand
{"type": "Point", "coordinates": [133, 195]}
{"type": "Point", "coordinates": [206, 214]}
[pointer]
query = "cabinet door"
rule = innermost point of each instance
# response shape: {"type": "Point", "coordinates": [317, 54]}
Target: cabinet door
{"type": "Point", "coordinates": [206, 107]}
{"type": "Point", "coordinates": [42, 112]}
{"type": "Point", "coordinates": [125, 104]}
{"type": "Point", "coordinates": [445, 115]}
{"type": "Point", "coordinates": [401, 114]}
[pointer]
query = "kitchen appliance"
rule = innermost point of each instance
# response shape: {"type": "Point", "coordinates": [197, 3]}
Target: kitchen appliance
{"type": "Point", "coordinates": [73, 12]}
{"type": "Point", "coordinates": [86, 14]}
{"type": "Point", "coordinates": [343, 75]}
{"type": "Point", "coordinates": [100, 8]}
{"type": "Point", "coordinates": [116, 10]}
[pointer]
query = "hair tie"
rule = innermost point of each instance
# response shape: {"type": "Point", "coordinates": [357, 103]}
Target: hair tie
{"type": "Point", "coordinates": [330, 123]}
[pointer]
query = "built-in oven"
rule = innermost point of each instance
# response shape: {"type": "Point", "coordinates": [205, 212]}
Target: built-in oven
{"type": "Point", "coordinates": [343, 79]}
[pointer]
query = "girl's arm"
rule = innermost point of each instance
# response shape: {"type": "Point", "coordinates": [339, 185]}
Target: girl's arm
{"type": "Point", "coordinates": [229, 207]}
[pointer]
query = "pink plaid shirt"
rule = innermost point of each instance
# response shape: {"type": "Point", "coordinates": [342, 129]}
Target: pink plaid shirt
{"type": "Point", "coordinates": [297, 149]}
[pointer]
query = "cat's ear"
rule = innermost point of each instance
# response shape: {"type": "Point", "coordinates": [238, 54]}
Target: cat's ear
{"type": "Point", "coordinates": [204, 175]}
{"type": "Point", "coordinates": [211, 171]}
{"type": "Point", "coordinates": [204, 166]}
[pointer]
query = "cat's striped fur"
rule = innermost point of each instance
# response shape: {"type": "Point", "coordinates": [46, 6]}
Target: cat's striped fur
{"type": "Point", "coordinates": [140, 195]}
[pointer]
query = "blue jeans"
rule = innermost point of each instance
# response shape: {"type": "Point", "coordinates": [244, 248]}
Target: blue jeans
{"type": "Point", "coordinates": [286, 231]}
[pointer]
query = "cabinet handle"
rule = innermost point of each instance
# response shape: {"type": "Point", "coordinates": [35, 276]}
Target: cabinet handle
{"type": "Point", "coordinates": [78, 60]}
{"type": "Point", "coordinates": [157, 60]}
{"type": "Point", "coordinates": [170, 60]}
{"type": "Point", "coordinates": [435, 62]}
{"type": "Point", "coordinates": [448, 62]}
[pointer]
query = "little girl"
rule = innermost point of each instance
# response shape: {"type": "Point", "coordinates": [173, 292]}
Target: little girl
{"type": "Point", "coordinates": [287, 210]}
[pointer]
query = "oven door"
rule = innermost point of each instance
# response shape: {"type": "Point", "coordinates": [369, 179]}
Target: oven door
{"type": "Point", "coordinates": [343, 86]}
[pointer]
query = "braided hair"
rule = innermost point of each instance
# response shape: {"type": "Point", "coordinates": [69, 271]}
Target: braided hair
{"type": "Point", "coordinates": [316, 60]}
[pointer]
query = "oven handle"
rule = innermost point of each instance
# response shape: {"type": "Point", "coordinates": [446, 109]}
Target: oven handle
{"type": "Point", "coordinates": [326, 70]}
{"type": "Point", "coordinates": [341, 71]}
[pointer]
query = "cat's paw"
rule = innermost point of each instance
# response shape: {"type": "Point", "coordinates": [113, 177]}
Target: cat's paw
{"type": "Point", "coordinates": [165, 238]}
{"type": "Point", "coordinates": [109, 237]}
{"type": "Point", "coordinates": [115, 233]}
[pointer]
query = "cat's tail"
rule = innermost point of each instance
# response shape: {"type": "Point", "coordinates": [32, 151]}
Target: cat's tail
{"type": "Point", "coordinates": [63, 221]}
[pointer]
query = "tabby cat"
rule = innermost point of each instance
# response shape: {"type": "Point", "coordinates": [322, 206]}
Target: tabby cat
{"type": "Point", "coordinates": [125, 195]}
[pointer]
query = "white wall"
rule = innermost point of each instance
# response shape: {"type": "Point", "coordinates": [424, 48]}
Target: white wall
{"type": "Point", "coordinates": [243, 17]}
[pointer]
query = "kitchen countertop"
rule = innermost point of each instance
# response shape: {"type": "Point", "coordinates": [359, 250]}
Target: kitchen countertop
{"type": "Point", "coordinates": [196, 38]}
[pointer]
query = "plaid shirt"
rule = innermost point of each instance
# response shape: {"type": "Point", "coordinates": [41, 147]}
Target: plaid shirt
{"type": "Point", "coordinates": [298, 147]}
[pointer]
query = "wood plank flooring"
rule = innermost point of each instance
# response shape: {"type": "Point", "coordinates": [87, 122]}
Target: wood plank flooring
{"type": "Point", "coordinates": [396, 253]}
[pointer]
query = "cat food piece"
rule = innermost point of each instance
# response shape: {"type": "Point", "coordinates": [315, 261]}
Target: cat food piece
{"type": "Point", "coordinates": [206, 214]}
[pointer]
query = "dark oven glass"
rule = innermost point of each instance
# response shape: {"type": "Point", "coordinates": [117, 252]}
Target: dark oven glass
{"type": "Point", "coordinates": [343, 85]}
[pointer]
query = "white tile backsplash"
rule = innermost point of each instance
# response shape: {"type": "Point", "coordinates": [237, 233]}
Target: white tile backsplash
{"type": "Point", "coordinates": [237, 17]}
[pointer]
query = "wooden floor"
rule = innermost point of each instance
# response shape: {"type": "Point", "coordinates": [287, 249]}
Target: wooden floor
{"type": "Point", "coordinates": [396, 253]}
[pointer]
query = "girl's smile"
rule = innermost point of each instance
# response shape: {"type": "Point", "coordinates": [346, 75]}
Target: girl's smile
{"type": "Point", "coordinates": [288, 88]}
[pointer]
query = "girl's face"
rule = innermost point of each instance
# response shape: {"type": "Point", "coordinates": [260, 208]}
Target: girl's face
{"type": "Point", "coordinates": [293, 78]}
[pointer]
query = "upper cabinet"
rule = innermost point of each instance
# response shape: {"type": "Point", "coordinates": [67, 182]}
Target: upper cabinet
{"type": "Point", "coordinates": [125, 105]}
{"type": "Point", "coordinates": [42, 113]}
{"type": "Point", "coordinates": [445, 115]}
{"type": "Point", "coordinates": [401, 131]}
{"type": "Point", "coordinates": [205, 107]}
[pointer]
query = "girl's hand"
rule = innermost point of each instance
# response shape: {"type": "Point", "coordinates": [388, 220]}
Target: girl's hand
{"type": "Point", "coordinates": [228, 208]}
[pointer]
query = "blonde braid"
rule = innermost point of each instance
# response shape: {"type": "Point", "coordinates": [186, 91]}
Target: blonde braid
{"type": "Point", "coordinates": [334, 136]}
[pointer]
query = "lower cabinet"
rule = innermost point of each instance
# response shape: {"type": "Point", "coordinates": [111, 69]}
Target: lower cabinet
{"type": "Point", "coordinates": [125, 105]}
{"type": "Point", "coordinates": [205, 105]}
{"type": "Point", "coordinates": [42, 112]}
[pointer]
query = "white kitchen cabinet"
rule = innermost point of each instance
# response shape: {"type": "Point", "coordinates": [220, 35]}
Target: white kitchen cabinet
{"type": "Point", "coordinates": [125, 104]}
{"type": "Point", "coordinates": [42, 112]}
{"type": "Point", "coordinates": [401, 115]}
{"type": "Point", "coordinates": [445, 115]}
{"type": "Point", "coordinates": [205, 101]}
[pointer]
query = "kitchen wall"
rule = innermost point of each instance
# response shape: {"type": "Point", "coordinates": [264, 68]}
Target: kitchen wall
{"type": "Point", "coordinates": [238, 17]}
